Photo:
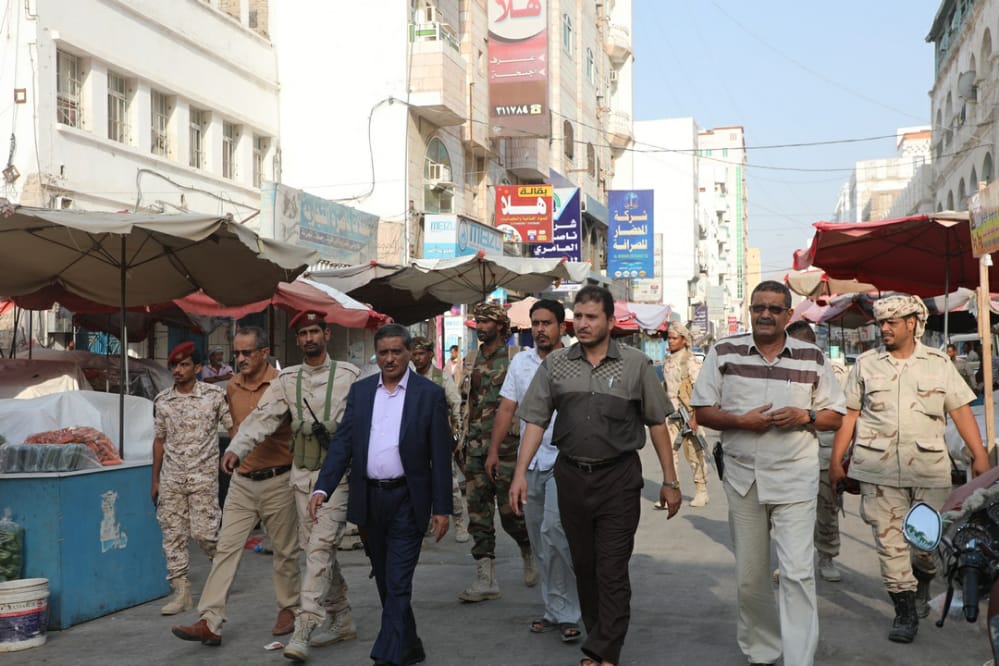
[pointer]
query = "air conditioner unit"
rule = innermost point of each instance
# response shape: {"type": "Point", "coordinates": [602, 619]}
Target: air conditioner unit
{"type": "Point", "coordinates": [439, 172]}
{"type": "Point", "coordinates": [613, 76]}
{"type": "Point", "coordinates": [428, 14]}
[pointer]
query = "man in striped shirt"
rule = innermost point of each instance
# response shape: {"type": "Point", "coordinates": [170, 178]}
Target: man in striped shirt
{"type": "Point", "coordinates": [768, 394]}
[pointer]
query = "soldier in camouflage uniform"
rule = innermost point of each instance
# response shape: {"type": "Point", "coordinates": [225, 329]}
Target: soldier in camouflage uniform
{"type": "Point", "coordinates": [680, 370]}
{"type": "Point", "coordinates": [323, 383]}
{"type": "Point", "coordinates": [185, 484]}
{"type": "Point", "coordinates": [484, 378]}
{"type": "Point", "coordinates": [827, 506]}
{"type": "Point", "coordinates": [897, 401]}
{"type": "Point", "coordinates": [422, 354]}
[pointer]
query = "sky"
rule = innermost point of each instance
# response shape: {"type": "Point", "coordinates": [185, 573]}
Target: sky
{"type": "Point", "coordinates": [788, 72]}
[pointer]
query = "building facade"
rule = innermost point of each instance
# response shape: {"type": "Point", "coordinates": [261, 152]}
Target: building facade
{"type": "Point", "coordinates": [141, 105]}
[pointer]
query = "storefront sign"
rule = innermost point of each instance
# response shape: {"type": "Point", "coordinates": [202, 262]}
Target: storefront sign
{"type": "Point", "coordinates": [630, 243]}
{"type": "Point", "coordinates": [525, 212]}
{"type": "Point", "coordinates": [567, 229]}
{"type": "Point", "coordinates": [518, 67]}
{"type": "Point", "coordinates": [448, 236]}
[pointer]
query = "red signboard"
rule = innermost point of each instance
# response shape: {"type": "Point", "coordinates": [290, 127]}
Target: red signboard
{"type": "Point", "coordinates": [524, 212]}
{"type": "Point", "coordinates": [518, 68]}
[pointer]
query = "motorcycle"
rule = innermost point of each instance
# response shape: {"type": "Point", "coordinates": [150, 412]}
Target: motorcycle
{"type": "Point", "coordinates": [965, 535]}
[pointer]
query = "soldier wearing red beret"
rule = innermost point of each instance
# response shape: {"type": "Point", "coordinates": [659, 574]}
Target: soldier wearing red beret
{"type": "Point", "coordinates": [185, 481]}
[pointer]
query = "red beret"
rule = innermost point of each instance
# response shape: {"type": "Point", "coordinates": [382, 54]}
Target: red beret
{"type": "Point", "coordinates": [307, 318]}
{"type": "Point", "coordinates": [180, 352]}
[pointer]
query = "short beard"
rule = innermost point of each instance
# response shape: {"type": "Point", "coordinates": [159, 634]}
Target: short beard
{"type": "Point", "coordinates": [312, 353]}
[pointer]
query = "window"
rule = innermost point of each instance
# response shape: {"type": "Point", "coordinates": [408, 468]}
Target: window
{"type": "Point", "coordinates": [118, 129]}
{"type": "Point", "coordinates": [591, 159]}
{"type": "Point", "coordinates": [567, 34]}
{"type": "Point", "coordinates": [260, 145]}
{"type": "Point", "coordinates": [229, 136]}
{"type": "Point", "coordinates": [199, 120]}
{"type": "Point", "coordinates": [438, 186]}
{"type": "Point", "coordinates": [160, 123]}
{"type": "Point", "coordinates": [69, 81]}
{"type": "Point", "coordinates": [568, 140]}
{"type": "Point", "coordinates": [591, 67]}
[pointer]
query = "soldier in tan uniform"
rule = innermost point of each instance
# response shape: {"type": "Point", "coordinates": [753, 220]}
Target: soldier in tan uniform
{"type": "Point", "coordinates": [827, 506]}
{"type": "Point", "coordinates": [680, 370]}
{"type": "Point", "coordinates": [897, 401]}
{"type": "Point", "coordinates": [185, 485]}
{"type": "Point", "coordinates": [422, 355]}
{"type": "Point", "coordinates": [322, 384]}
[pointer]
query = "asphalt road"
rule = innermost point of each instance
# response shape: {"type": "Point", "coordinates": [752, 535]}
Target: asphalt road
{"type": "Point", "coordinates": [683, 608]}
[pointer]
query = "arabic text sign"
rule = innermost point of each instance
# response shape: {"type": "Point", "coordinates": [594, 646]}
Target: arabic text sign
{"type": "Point", "coordinates": [566, 228]}
{"type": "Point", "coordinates": [525, 211]}
{"type": "Point", "coordinates": [447, 236]}
{"type": "Point", "coordinates": [630, 243]}
{"type": "Point", "coordinates": [341, 235]}
{"type": "Point", "coordinates": [984, 208]}
{"type": "Point", "coordinates": [518, 67]}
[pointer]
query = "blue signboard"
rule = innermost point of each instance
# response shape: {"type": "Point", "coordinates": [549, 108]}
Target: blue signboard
{"type": "Point", "coordinates": [448, 236]}
{"type": "Point", "coordinates": [567, 231]}
{"type": "Point", "coordinates": [630, 242]}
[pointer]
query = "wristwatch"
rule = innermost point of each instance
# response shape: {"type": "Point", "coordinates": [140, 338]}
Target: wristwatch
{"type": "Point", "coordinates": [675, 485]}
{"type": "Point", "coordinates": [811, 416]}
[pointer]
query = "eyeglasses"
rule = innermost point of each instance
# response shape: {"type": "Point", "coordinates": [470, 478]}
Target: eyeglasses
{"type": "Point", "coordinates": [245, 352]}
{"type": "Point", "coordinates": [774, 309]}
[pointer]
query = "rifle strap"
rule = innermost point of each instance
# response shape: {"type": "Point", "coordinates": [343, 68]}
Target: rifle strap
{"type": "Point", "coordinates": [329, 393]}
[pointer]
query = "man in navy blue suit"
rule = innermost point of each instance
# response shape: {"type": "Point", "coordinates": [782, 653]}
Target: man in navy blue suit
{"type": "Point", "coordinates": [395, 442]}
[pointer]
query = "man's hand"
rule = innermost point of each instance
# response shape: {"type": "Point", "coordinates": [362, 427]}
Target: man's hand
{"type": "Point", "coordinates": [671, 499]}
{"type": "Point", "coordinates": [230, 461]}
{"type": "Point", "coordinates": [789, 417]}
{"type": "Point", "coordinates": [438, 525]}
{"type": "Point", "coordinates": [315, 502]}
{"type": "Point", "coordinates": [836, 473]}
{"type": "Point", "coordinates": [757, 420]}
{"type": "Point", "coordinates": [518, 493]}
{"type": "Point", "coordinates": [155, 493]}
{"type": "Point", "coordinates": [980, 465]}
{"type": "Point", "coordinates": [492, 464]}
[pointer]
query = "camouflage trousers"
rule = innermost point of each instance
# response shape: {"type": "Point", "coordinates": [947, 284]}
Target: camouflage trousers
{"type": "Point", "coordinates": [483, 496]}
{"type": "Point", "coordinates": [183, 513]}
{"type": "Point", "coordinates": [323, 586]}
{"type": "Point", "coordinates": [826, 510]}
{"type": "Point", "coordinates": [884, 509]}
{"type": "Point", "coordinates": [693, 454]}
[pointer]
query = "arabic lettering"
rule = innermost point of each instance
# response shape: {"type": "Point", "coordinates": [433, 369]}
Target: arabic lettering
{"type": "Point", "coordinates": [531, 9]}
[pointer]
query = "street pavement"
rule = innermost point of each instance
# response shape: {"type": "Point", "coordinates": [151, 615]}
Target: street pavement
{"type": "Point", "coordinates": [683, 607]}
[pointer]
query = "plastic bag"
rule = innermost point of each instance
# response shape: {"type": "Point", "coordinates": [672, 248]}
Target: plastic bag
{"type": "Point", "coordinates": [11, 547]}
{"type": "Point", "coordinates": [31, 458]}
{"type": "Point", "coordinates": [98, 442]}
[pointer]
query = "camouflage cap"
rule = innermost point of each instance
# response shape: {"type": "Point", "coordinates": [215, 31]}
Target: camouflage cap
{"type": "Point", "coordinates": [681, 330]}
{"type": "Point", "coordinates": [492, 311]}
{"type": "Point", "coordinates": [421, 342]}
{"type": "Point", "coordinates": [902, 305]}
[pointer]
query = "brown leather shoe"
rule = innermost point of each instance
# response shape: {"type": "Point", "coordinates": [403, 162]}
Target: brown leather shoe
{"type": "Point", "coordinates": [198, 631]}
{"type": "Point", "coordinates": [285, 623]}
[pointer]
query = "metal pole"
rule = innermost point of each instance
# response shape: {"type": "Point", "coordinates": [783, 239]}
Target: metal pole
{"type": "Point", "coordinates": [946, 313]}
{"type": "Point", "coordinates": [985, 333]}
{"type": "Point", "coordinates": [123, 344]}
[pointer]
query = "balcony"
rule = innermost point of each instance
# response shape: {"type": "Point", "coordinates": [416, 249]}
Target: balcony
{"type": "Point", "coordinates": [618, 44]}
{"type": "Point", "coordinates": [619, 130]}
{"type": "Point", "coordinates": [528, 158]}
{"type": "Point", "coordinates": [437, 82]}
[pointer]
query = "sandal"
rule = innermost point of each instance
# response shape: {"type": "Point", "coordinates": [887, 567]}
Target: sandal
{"type": "Point", "coordinates": [570, 632]}
{"type": "Point", "coordinates": [542, 625]}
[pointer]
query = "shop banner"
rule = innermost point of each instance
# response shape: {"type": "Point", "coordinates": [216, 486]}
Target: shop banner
{"type": "Point", "coordinates": [984, 209]}
{"type": "Point", "coordinates": [567, 231]}
{"type": "Point", "coordinates": [449, 236]}
{"type": "Point", "coordinates": [518, 68]}
{"type": "Point", "coordinates": [630, 243]}
{"type": "Point", "coordinates": [524, 212]}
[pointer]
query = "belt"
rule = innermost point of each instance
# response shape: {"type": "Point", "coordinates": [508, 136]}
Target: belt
{"type": "Point", "coordinates": [591, 465]}
{"type": "Point", "coordinates": [262, 474]}
{"type": "Point", "coordinates": [387, 484]}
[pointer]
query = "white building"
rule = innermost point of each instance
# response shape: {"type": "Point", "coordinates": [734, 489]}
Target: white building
{"type": "Point", "coordinates": [400, 127]}
{"type": "Point", "coordinates": [963, 100]}
{"type": "Point", "coordinates": [874, 186]}
{"type": "Point", "coordinates": [164, 106]}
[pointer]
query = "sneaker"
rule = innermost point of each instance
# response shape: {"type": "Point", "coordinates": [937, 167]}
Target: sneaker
{"type": "Point", "coordinates": [828, 570]}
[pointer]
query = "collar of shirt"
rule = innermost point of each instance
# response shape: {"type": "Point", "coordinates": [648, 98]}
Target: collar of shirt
{"type": "Point", "coordinates": [239, 380]}
{"type": "Point", "coordinates": [496, 352]}
{"type": "Point", "coordinates": [576, 350]}
{"type": "Point", "coordinates": [198, 390]}
{"type": "Point", "coordinates": [401, 385]}
{"type": "Point", "coordinates": [785, 351]}
{"type": "Point", "coordinates": [919, 352]}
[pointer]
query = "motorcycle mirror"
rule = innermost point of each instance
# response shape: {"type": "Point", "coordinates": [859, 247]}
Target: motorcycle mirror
{"type": "Point", "coordinates": [923, 527]}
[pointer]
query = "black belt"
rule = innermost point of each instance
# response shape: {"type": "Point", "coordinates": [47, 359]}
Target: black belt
{"type": "Point", "coordinates": [591, 465]}
{"type": "Point", "coordinates": [387, 484]}
{"type": "Point", "coordinates": [263, 474]}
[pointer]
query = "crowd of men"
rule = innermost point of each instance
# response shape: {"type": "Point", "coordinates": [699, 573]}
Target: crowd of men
{"type": "Point", "coordinates": [549, 439]}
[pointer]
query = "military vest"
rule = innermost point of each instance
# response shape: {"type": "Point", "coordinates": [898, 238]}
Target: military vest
{"type": "Point", "coordinates": [306, 449]}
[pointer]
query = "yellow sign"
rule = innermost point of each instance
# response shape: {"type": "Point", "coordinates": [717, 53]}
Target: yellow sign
{"type": "Point", "coordinates": [984, 209]}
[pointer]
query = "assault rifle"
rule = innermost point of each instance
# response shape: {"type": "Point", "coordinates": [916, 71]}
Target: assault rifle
{"type": "Point", "coordinates": [682, 417]}
{"type": "Point", "coordinates": [318, 428]}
